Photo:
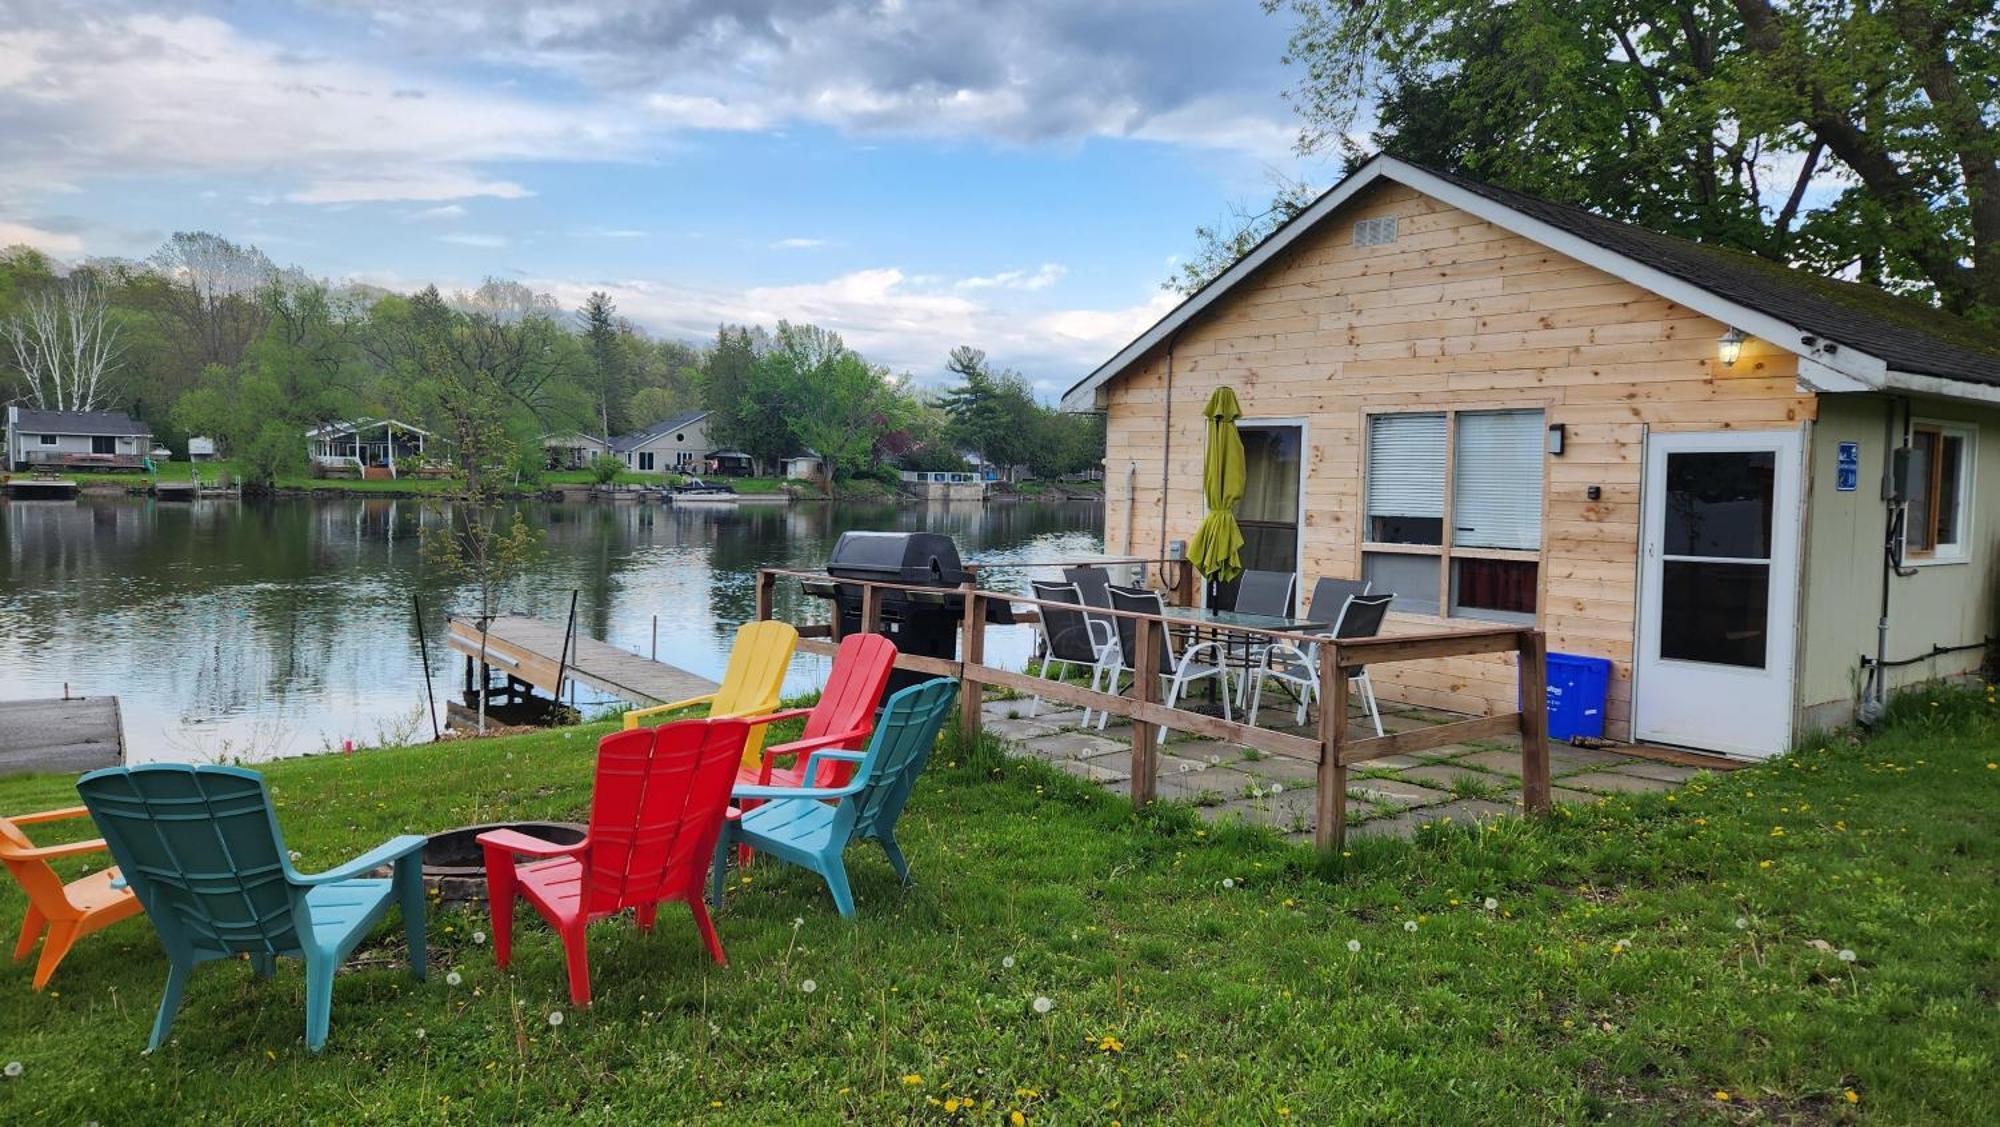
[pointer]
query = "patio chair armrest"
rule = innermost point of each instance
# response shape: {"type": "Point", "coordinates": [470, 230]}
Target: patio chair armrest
{"type": "Point", "coordinates": [816, 744]}
{"type": "Point", "coordinates": [841, 754]}
{"type": "Point", "coordinates": [763, 718]}
{"type": "Point", "coordinates": [1187, 655]}
{"type": "Point", "coordinates": [1096, 626]}
{"type": "Point", "coordinates": [794, 792]}
{"type": "Point", "coordinates": [49, 815]}
{"type": "Point", "coordinates": [633, 717]}
{"type": "Point", "coordinates": [1285, 650]}
{"type": "Point", "coordinates": [392, 850]}
{"type": "Point", "coordinates": [527, 845]}
{"type": "Point", "coordinates": [56, 852]}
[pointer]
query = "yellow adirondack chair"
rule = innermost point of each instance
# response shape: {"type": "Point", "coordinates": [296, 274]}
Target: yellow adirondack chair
{"type": "Point", "coordinates": [69, 911]}
{"type": "Point", "coordinates": [757, 661]}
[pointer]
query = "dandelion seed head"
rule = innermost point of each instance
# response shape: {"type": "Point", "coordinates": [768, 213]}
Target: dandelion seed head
{"type": "Point", "coordinates": [1277, 788]}
{"type": "Point", "coordinates": [1042, 1004]}
{"type": "Point", "coordinates": [798, 922]}
{"type": "Point", "coordinates": [1409, 925]}
{"type": "Point", "coordinates": [420, 1033]}
{"type": "Point", "coordinates": [1490, 904]}
{"type": "Point", "coordinates": [808, 986]}
{"type": "Point", "coordinates": [555, 1017]}
{"type": "Point", "coordinates": [1229, 882]}
{"type": "Point", "coordinates": [1354, 946]}
{"type": "Point", "coordinates": [13, 1069]}
{"type": "Point", "coordinates": [1008, 962]}
{"type": "Point", "coordinates": [453, 979]}
{"type": "Point", "coordinates": [479, 937]}
{"type": "Point", "coordinates": [1846, 955]}
{"type": "Point", "coordinates": [1742, 923]}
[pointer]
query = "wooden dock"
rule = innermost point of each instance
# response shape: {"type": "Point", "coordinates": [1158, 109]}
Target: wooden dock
{"type": "Point", "coordinates": [529, 650]}
{"type": "Point", "coordinates": [40, 488]}
{"type": "Point", "coordinates": [63, 736]}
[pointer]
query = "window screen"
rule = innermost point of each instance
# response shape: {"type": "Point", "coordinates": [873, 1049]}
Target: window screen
{"type": "Point", "coordinates": [1497, 481]}
{"type": "Point", "coordinates": [1405, 475]}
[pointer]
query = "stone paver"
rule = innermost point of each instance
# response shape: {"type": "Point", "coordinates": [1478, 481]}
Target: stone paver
{"type": "Point", "coordinates": [1281, 769]}
{"type": "Point", "coordinates": [1019, 730]}
{"type": "Point", "coordinates": [1092, 772]}
{"type": "Point", "coordinates": [1444, 775]}
{"type": "Point", "coordinates": [1664, 772]}
{"type": "Point", "coordinates": [1615, 783]}
{"type": "Point", "coordinates": [1500, 762]}
{"type": "Point", "coordinates": [1396, 792]}
{"type": "Point", "coordinates": [1075, 745]}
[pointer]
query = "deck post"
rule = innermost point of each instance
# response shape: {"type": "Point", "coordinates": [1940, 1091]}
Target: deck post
{"type": "Point", "coordinates": [1534, 721]}
{"type": "Point", "coordinates": [1146, 688]}
{"type": "Point", "coordinates": [871, 609]}
{"type": "Point", "coordinates": [971, 654]}
{"type": "Point", "coordinates": [1330, 791]}
{"type": "Point", "coordinates": [767, 583]}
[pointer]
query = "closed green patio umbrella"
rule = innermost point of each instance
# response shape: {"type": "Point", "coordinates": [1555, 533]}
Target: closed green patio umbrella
{"type": "Point", "coordinates": [1217, 550]}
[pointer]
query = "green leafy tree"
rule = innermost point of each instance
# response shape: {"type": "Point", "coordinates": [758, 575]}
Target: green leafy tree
{"type": "Point", "coordinates": [1854, 139]}
{"type": "Point", "coordinates": [604, 469]}
{"type": "Point", "coordinates": [650, 405]}
{"type": "Point", "coordinates": [993, 414]}
{"type": "Point", "coordinates": [607, 360]}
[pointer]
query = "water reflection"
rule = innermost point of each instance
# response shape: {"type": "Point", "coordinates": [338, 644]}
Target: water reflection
{"type": "Point", "coordinates": [266, 629]}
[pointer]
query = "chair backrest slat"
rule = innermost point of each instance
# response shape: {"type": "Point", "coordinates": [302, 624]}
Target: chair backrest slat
{"type": "Point", "coordinates": [1143, 601]}
{"type": "Point", "coordinates": [200, 847]}
{"type": "Point", "coordinates": [1361, 617]}
{"type": "Point", "coordinates": [1266, 592]}
{"type": "Point", "coordinates": [896, 755]}
{"type": "Point", "coordinates": [1064, 627]}
{"type": "Point", "coordinates": [657, 803]}
{"type": "Point", "coordinates": [757, 660]}
{"type": "Point", "coordinates": [1330, 595]}
{"type": "Point", "coordinates": [861, 669]}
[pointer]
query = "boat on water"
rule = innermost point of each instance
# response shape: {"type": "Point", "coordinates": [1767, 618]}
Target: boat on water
{"type": "Point", "coordinates": [695, 491]}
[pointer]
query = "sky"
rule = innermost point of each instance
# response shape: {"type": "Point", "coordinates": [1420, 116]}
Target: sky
{"type": "Point", "coordinates": [1018, 175]}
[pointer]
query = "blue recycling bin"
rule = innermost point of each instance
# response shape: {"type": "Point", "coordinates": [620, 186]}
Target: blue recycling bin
{"type": "Point", "coordinates": [1576, 691]}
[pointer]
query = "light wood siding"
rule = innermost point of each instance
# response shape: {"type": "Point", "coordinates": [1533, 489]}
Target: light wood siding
{"type": "Point", "coordinates": [1456, 313]}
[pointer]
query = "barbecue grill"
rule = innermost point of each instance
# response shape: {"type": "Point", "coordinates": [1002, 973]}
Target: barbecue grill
{"type": "Point", "coordinates": [918, 622]}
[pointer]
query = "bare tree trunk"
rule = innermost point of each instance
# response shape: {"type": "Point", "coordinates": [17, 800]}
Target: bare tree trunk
{"type": "Point", "coordinates": [65, 343]}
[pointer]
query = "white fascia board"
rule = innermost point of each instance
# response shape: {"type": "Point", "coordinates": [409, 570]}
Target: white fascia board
{"type": "Point", "coordinates": [1815, 376]}
{"type": "Point", "coordinates": [1963, 391]}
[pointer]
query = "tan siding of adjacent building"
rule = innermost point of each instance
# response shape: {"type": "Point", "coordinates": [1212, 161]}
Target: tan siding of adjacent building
{"type": "Point", "coordinates": [1456, 313]}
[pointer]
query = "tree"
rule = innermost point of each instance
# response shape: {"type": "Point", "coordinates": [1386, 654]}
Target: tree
{"type": "Point", "coordinates": [650, 405]}
{"type": "Point", "coordinates": [993, 414]}
{"type": "Point", "coordinates": [209, 286]}
{"type": "Point", "coordinates": [1854, 139]}
{"type": "Point", "coordinates": [65, 344]}
{"type": "Point", "coordinates": [597, 321]}
{"type": "Point", "coordinates": [1218, 247]}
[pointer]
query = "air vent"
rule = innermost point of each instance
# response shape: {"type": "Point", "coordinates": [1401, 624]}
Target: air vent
{"type": "Point", "coordinates": [1375, 232]}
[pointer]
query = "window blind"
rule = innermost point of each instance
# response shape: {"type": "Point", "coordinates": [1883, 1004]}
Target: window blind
{"type": "Point", "coordinates": [1406, 465]}
{"type": "Point", "coordinates": [1497, 480]}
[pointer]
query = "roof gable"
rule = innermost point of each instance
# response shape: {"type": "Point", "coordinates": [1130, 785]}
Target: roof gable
{"type": "Point", "coordinates": [640, 438]}
{"type": "Point", "coordinates": [31, 421]}
{"type": "Point", "coordinates": [1851, 337]}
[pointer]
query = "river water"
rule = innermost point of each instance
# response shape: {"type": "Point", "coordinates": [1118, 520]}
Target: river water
{"type": "Point", "coordinates": [257, 629]}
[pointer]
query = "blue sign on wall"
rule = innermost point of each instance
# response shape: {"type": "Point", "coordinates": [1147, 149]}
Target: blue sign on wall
{"type": "Point", "coordinates": [1847, 467]}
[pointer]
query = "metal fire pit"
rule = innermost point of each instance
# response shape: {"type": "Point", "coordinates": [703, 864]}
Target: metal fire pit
{"type": "Point", "coordinates": [455, 864]}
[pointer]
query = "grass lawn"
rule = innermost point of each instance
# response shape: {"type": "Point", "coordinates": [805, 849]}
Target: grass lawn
{"type": "Point", "coordinates": [1660, 958]}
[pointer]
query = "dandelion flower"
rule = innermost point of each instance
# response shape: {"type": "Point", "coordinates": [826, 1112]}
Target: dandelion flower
{"type": "Point", "coordinates": [1852, 1096]}
{"type": "Point", "coordinates": [1007, 961]}
{"type": "Point", "coordinates": [1277, 788]}
{"type": "Point", "coordinates": [13, 1069]}
{"type": "Point", "coordinates": [1846, 955]}
{"type": "Point", "coordinates": [1229, 882]}
{"type": "Point", "coordinates": [1354, 946]}
{"type": "Point", "coordinates": [453, 979]}
{"type": "Point", "coordinates": [555, 1017]}
{"type": "Point", "coordinates": [1409, 925]}
{"type": "Point", "coordinates": [1042, 1004]}
{"type": "Point", "coordinates": [1109, 1044]}
{"type": "Point", "coordinates": [808, 986]}
{"type": "Point", "coordinates": [913, 1079]}
{"type": "Point", "coordinates": [1490, 904]}
{"type": "Point", "coordinates": [1016, 1119]}
{"type": "Point", "coordinates": [1721, 1095]}
{"type": "Point", "coordinates": [951, 1106]}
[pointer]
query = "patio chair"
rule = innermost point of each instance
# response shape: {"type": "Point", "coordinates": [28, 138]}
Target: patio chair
{"type": "Point", "coordinates": [1267, 593]}
{"type": "Point", "coordinates": [1179, 670]}
{"type": "Point", "coordinates": [68, 912]}
{"type": "Point", "coordinates": [200, 847]}
{"type": "Point", "coordinates": [1330, 595]}
{"type": "Point", "coordinates": [758, 658]}
{"type": "Point", "coordinates": [1070, 638]}
{"type": "Point", "coordinates": [1094, 583]}
{"type": "Point", "coordinates": [1298, 665]}
{"type": "Point", "coordinates": [812, 826]}
{"type": "Point", "coordinates": [655, 814]}
{"type": "Point", "coordinates": [841, 718]}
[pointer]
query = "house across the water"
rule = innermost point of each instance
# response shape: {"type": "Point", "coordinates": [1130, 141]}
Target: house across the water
{"type": "Point", "coordinates": [1680, 458]}
{"type": "Point", "coordinates": [374, 447]}
{"type": "Point", "coordinates": [572, 450]}
{"type": "Point", "coordinates": [677, 445]}
{"type": "Point", "coordinates": [75, 440]}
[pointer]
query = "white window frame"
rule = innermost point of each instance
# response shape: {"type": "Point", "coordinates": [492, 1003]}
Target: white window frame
{"type": "Point", "coordinates": [1958, 551]}
{"type": "Point", "coordinates": [48, 440]}
{"type": "Point", "coordinates": [1446, 552]}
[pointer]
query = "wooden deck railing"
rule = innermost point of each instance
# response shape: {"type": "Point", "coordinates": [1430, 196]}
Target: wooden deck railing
{"type": "Point", "coordinates": [1330, 747]}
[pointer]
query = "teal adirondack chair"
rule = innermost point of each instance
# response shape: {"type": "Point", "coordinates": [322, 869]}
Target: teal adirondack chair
{"type": "Point", "coordinates": [201, 848]}
{"type": "Point", "coordinates": [812, 826]}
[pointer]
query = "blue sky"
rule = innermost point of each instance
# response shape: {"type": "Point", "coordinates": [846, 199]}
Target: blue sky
{"type": "Point", "coordinates": [913, 173]}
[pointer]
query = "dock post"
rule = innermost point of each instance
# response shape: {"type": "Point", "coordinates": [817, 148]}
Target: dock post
{"type": "Point", "coordinates": [424, 650]}
{"type": "Point", "coordinates": [1330, 790]}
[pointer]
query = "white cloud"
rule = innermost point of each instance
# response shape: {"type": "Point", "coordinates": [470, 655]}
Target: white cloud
{"type": "Point", "coordinates": [693, 111]}
{"type": "Point", "coordinates": [53, 242]}
{"type": "Point", "coordinates": [446, 211]}
{"type": "Point", "coordinates": [434, 184]}
{"type": "Point", "coordinates": [1048, 275]}
{"type": "Point", "coordinates": [797, 244]}
{"type": "Point", "coordinates": [611, 233]}
{"type": "Point", "coordinates": [471, 240]}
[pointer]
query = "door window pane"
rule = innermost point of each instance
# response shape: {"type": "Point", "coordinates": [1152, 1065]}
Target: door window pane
{"type": "Point", "coordinates": [1498, 589]}
{"type": "Point", "coordinates": [1719, 504]}
{"type": "Point", "coordinates": [1412, 579]}
{"type": "Point", "coordinates": [1714, 612]}
{"type": "Point", "coordinates": [1268, 512]}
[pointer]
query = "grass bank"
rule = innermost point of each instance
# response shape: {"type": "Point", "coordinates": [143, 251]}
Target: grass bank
{"type": "Point", "coordinates": [1660, 958]}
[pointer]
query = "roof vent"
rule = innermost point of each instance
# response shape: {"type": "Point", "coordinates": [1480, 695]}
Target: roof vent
{"type": "Point", "coordinates": [1375, 232]}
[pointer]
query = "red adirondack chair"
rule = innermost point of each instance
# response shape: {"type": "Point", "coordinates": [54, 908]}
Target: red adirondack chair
{"type": "Point", "coordinates": [842, 719]}
{"type": "Point", "coordinates": [655, 814]}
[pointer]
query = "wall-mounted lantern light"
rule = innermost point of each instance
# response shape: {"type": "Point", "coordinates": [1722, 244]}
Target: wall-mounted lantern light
{"type": "Point", "coordinates": [1557, 432]}
{"type": "Point", "coordinates": [1729, 346]}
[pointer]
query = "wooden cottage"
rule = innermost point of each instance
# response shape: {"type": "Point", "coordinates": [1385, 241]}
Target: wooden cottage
{"type": "Point", "coordinates": [677, 445]}
{"type": "Point", "coordinates": [75, 440]}
{"type": "Point", "coordinates": [1680, 458]}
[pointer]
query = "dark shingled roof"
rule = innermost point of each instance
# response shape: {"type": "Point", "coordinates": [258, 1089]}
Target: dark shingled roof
{"type": "Point", "coordinates": [626, 442]}
{"type": "Point", "coordinates": [30, 421]}
{"type": "Point", "coordinates": [1907, 334]}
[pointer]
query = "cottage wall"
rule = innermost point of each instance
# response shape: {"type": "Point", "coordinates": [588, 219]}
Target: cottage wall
{"type": "Point", "coordinates": [1460, 313]}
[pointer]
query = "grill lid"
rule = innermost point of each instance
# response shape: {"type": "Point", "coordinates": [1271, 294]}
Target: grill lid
{"type": "Point", "coordinates": [928, 558]}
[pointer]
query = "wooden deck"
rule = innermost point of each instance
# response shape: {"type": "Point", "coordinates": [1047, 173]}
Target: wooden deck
{"type": "Point", "coordinates": [530, 650]}
{"type": "Point", "coordinates": [64, 736]}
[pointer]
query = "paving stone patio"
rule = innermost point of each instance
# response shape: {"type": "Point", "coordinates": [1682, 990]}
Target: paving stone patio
{"type": "Point", "coordinates": [1395, 795]}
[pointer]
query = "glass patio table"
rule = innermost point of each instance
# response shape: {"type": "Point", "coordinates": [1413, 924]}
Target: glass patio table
{"type": "Point", "coordinates": [1241, 651]}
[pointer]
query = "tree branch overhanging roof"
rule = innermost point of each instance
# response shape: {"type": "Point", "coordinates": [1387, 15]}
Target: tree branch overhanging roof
{"type": "Point", "coordinates": [1849, 337]}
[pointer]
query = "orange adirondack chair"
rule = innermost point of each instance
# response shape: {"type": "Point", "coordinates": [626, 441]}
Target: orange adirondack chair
{"type": "Point", "coordinates": [655, 814]}
{"type": "Point", "coordinates": [69, 911]}
{"type": "Point", "coordinates": [842, 718]}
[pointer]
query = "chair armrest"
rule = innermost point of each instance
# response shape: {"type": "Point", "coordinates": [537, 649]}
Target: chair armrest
{"type": "Point", "coordinates": [795, 792]}
{"type": "Point", "coordinates": [774, 717]}
{"type": "Point", "coordinates": [49, 815]}
{"type": "Point", "coordinates": [1187, 655]}
{"type": "Point", "coordinates": [816, 743]}
{"type": "Point", "coordinates": [55, 852]}
{"type": "Point", "coordinates": [514, 841]}
{"type": "Point", "coordinates": [633, 717]}
{"type": "Point", "coordinates": [841, 754]}
{"type": "Point", "coordinates": [395, 849]}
